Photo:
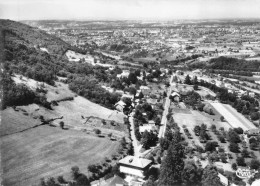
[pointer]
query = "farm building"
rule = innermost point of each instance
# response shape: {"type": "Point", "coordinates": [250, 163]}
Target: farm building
{"type": "Point", "coordinates": [134, 166]}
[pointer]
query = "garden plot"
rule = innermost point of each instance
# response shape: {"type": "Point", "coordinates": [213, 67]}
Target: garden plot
{"type": "Point", "coordinates": [234, 118]}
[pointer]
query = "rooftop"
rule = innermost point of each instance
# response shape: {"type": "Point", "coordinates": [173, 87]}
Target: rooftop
{"type": "Point", "coordinates": [135, 161]}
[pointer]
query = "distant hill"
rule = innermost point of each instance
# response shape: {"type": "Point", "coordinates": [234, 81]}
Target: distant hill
{"type": "Point", "coordinates": [33, 37]}
{"type": "Point", "coordinates": [225, 63]}
{"type": "Point", "coordinates": [35, 54]}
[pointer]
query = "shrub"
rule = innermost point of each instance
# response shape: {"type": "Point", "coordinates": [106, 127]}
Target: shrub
{"type": "Point", "coordinates": [97, 131]}
{"type": "Point", "coordinates": [234, 166]}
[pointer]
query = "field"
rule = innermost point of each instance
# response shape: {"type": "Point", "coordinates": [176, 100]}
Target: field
{"type": "Point", "coordinates": [77, 112]}
{"type": "Point", "coordinates": [81, 114]}
{"type": "Point", "coordinates": [50, 151]}
{"type": "Point", "coordinates": [234, 118]}
{"type": "Point", "coordinates": [12, 123]}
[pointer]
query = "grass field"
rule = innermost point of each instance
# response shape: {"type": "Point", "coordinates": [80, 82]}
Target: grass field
{"type": "Point", "coordinates": [13, 121]}
{"type": "Point", "coordinates": [72, 111]}
{"type": "Point", "coordinates": [49, 151]}
{"type": "Point", "coordinates": [234, 118]}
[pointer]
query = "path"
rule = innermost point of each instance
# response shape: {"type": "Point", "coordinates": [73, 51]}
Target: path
{"type": "Point", "coordinates": [137, 147]}
{"type": "Point", "coordinates": [165, 112]}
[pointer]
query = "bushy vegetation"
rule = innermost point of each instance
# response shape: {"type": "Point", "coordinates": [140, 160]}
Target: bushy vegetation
{"type": "Point", "coordinates": [19, 94]}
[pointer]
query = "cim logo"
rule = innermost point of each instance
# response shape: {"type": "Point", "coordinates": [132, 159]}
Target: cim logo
{"type": "Point", "coordinates": [245, 173]}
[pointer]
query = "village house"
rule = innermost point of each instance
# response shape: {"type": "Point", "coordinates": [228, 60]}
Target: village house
{"type": "Point", "coordinates": [150, 126]}
{"type": "Point", "coordinates": [145, 90]}
{"type": "Point", "coordinates": [120, 105]}
{"type": "Point", "coordinates": [134, 166]}
{"type": "Point", "coordinates": [125, 73]}
{"type": "Point", "coordinates": [197, 72]}
{"type": "Point", "coordinates": [114, 181]}
{"type": "Point", "coordinates": [175, 96]}
{"type": "Point", "coordinates": [223, 179]}
{"type": "Point", "coordinates": [251, 94]}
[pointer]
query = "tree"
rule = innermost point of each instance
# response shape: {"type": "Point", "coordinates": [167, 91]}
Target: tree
{"type": "Point", "coordinates": [187, 80]}
{"type": "Point", "coordinates": [213, 156]}
{"type": "Point", "coordinates": [195, 81]}
{"type": "Point", "coordinates": [254, 116]}
{"type": "Point", "coordinates": [42, 182]}
{"type": "Point", "coordinates": [234, 166]}
{"type": "Point", "coordinates": [61, 180]}
{"type": "Point", "coordinates": [233, 147]}
{"type": "Point", "coordinates": [211, 146]}
{"type": "Point", "coordinates": [51, 182]}
{"type": "Point", "coordinates": [191, 174]}
{"type": "Point", "coordinates": [223, 157]}
{"type": "Point", "coordinates": [244, 153]}
{"type": "Point", "coordinates": [61, 124]}
{"type": "Point", "coordinates": [253, 145]}
{"type": "Point", "coordinates": [221, 138]}
{"type": "Point", "coordinates": [213, 127]}
{"type": "Point", "coordinates": [197, 130]}
{"type": "Point", "coordinates": [97, 131]}
{"type": "Point", "coordinates": [210, 176]}
{"type": "Point", "coordinates": [148, 139]}
{"type": "Point", "coordinates": [132, 90]}
{"type": "Point", "coordinates": [233, 136]}
{"type": "Point", "coordinates": [239, 130]}
{"type": "Point", "coordinates": [173, 164]}
{"type": "Point", "coordinates": [240, 161]}
{"type": "Point", "coordinates": [254, 164]}
{"type": "Point", "coordinates": [132, 78]}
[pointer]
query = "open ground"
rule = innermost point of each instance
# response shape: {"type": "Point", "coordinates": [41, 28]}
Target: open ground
{"type": "Point", "coordinates": [47, 151]}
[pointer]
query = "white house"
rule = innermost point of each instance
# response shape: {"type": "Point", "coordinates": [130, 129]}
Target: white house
{"type": "Point", "coordinates": [134, 166]}
{"type": "Point", "coordinates": [223, 179]}
{"type": "Point", "coordinates": [125, 73]}
{"type": "Point", "coordinates": [175, 96]}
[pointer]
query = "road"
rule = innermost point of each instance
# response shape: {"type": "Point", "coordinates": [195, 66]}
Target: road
{"type": "Point", "coordinates": [137, 147]}
{"type": "Point", "coordinates": [165, 112]}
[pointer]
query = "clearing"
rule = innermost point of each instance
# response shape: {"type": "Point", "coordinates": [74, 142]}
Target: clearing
{"type": "Point", "coordinates": [47, 151]}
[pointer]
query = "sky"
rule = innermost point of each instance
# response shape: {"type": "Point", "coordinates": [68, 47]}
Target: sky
{"type": "Point", "coordinates": [128, 9]}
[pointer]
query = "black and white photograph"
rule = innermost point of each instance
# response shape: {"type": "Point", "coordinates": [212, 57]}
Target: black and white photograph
{"type": "Point", "coordinates": [129, 92]}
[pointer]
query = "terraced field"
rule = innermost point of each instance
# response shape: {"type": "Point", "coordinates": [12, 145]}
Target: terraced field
{"type": "Point", "coordinates": [47, 151]}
